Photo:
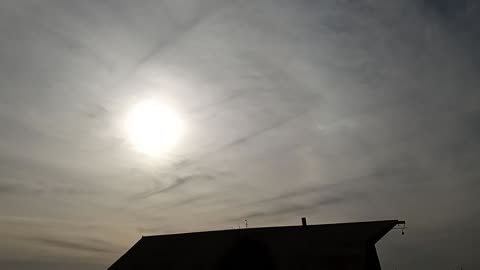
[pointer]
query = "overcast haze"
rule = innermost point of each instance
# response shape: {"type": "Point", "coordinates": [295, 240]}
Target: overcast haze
{"type": "Point", "coordinates": [334, 110]}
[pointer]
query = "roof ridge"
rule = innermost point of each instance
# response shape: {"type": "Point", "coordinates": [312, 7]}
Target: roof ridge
{"type": "Point", "coordinates": [275, 227]}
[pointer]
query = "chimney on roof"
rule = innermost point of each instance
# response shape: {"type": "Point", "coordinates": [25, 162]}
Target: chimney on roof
{"type": "Point", "coordinates": [304, 221]}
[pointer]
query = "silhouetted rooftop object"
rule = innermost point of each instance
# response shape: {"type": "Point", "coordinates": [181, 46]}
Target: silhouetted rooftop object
{"type": "Point", "coordinates": [329, 246]}
{"type": "Point", "coordinates": [304, 221]}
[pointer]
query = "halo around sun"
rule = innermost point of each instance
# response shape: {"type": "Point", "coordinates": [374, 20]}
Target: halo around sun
{"type": "Point", "coordinates": [152, 127]}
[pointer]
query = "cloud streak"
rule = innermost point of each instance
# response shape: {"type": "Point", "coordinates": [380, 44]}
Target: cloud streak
{"type": "Point", "coordinates": [177, 181]}
{"type": "Point", "coordinates": [88, 246]}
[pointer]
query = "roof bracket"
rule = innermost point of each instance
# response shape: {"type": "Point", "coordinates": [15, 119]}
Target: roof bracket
{"type": "Point", "coordinates": [401, 225]}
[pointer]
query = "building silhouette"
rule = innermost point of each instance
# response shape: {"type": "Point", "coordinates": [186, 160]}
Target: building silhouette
{"type": "Point", "coordinates": [330, 246]}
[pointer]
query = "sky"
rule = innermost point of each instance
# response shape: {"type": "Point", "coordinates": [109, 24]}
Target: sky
{"type": "Point", "coordinates": [335, 110]}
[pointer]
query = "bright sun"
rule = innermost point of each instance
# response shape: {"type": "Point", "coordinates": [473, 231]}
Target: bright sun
{"type": "Point", "coordinates": [152, 127]}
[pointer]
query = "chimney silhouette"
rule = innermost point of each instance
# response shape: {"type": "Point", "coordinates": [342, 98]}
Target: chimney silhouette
{"type": "Point", "coordinates": [304, 221]}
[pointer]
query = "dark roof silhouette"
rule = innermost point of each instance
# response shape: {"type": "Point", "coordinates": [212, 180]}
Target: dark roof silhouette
{"type": "Point", "coordinates": [328, 246]}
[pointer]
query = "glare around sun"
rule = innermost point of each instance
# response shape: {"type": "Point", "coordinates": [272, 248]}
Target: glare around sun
{"type": "Point", "coordinates": [153, 128]}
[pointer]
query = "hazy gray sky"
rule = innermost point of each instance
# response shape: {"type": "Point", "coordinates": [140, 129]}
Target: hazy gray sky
{"type": "Point", "coordinates": [335, 110]}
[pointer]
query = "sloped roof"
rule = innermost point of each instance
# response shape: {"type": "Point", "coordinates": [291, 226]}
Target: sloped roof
{"type": "Point", "coordinates": [341, 246]}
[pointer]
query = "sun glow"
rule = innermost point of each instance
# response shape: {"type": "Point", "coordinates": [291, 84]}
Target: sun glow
{"type": "Point", "coordinates": [153, 128]}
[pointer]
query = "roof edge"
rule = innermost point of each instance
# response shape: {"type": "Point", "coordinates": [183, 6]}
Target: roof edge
{"type": "Point", "coordinates": [125, 254]}
{"type": "Point", "coordinates": [394, 222]}
{"type": "Point", "coordinates": [387, 229]}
